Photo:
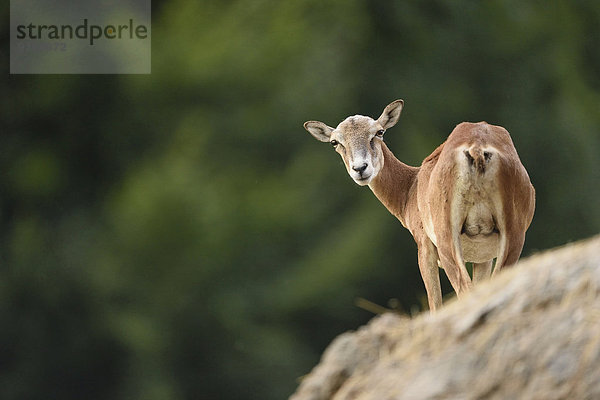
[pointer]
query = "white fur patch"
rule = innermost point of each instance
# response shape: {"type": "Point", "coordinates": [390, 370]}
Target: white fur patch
{"type": "Point", "coordinates": [476, 208]}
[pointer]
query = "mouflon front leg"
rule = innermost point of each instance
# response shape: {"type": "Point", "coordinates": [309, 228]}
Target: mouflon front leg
{"type": "Point", "coordinates": [482, 271]}
{"type": "Point", "coordinates": [428, 265]}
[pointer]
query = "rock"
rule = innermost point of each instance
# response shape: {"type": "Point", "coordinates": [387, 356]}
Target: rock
{"type": "Point", "coordinates": [532, 332]}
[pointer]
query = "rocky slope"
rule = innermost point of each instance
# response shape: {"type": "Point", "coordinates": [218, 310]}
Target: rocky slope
{"type": "Point", "coordinates": [533, 332]}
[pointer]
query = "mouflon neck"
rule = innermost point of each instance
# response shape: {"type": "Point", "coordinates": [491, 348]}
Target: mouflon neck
{"type": "Point", "coordinates": [393, 183]}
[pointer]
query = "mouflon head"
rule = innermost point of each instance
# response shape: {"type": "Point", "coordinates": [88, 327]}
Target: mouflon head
{"type": "Point", "coordinates": [358, 140]}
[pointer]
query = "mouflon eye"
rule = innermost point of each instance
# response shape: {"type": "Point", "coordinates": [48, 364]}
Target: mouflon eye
{"type": "Point", "coordinates": [380, 132]}
{"type": "Point", "coordinates": [334, 143]}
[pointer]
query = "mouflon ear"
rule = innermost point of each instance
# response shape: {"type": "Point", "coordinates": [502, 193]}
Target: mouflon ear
{"type": "Point", "coordinates": [390, 114]}
{"type": "Point", "coordinates": [319, 130]}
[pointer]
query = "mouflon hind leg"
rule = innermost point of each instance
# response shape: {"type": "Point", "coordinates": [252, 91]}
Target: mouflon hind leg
{"type": "Point", "coordinates": [511, 254]}
{"type": "Point", "coordinates": [456, 271]}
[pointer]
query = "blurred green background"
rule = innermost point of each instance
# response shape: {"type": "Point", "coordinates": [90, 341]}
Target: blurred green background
{"type": "Point", "coordinates": [180, 236]}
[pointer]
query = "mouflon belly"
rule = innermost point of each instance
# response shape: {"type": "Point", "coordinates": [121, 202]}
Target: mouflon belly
{"type": "Point", "coordinates": [480, 248]}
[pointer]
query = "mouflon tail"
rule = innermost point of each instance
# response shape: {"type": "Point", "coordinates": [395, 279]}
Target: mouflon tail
{"type": "Point", "coordinates": [478, 158]}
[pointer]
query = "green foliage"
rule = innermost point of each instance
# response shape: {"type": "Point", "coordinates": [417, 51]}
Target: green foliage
{"type": "Point", "coordinates": [180, 236]}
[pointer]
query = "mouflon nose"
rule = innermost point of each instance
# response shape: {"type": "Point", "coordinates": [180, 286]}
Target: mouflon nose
{"type": "Point", "coordinates": [361, 169]}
